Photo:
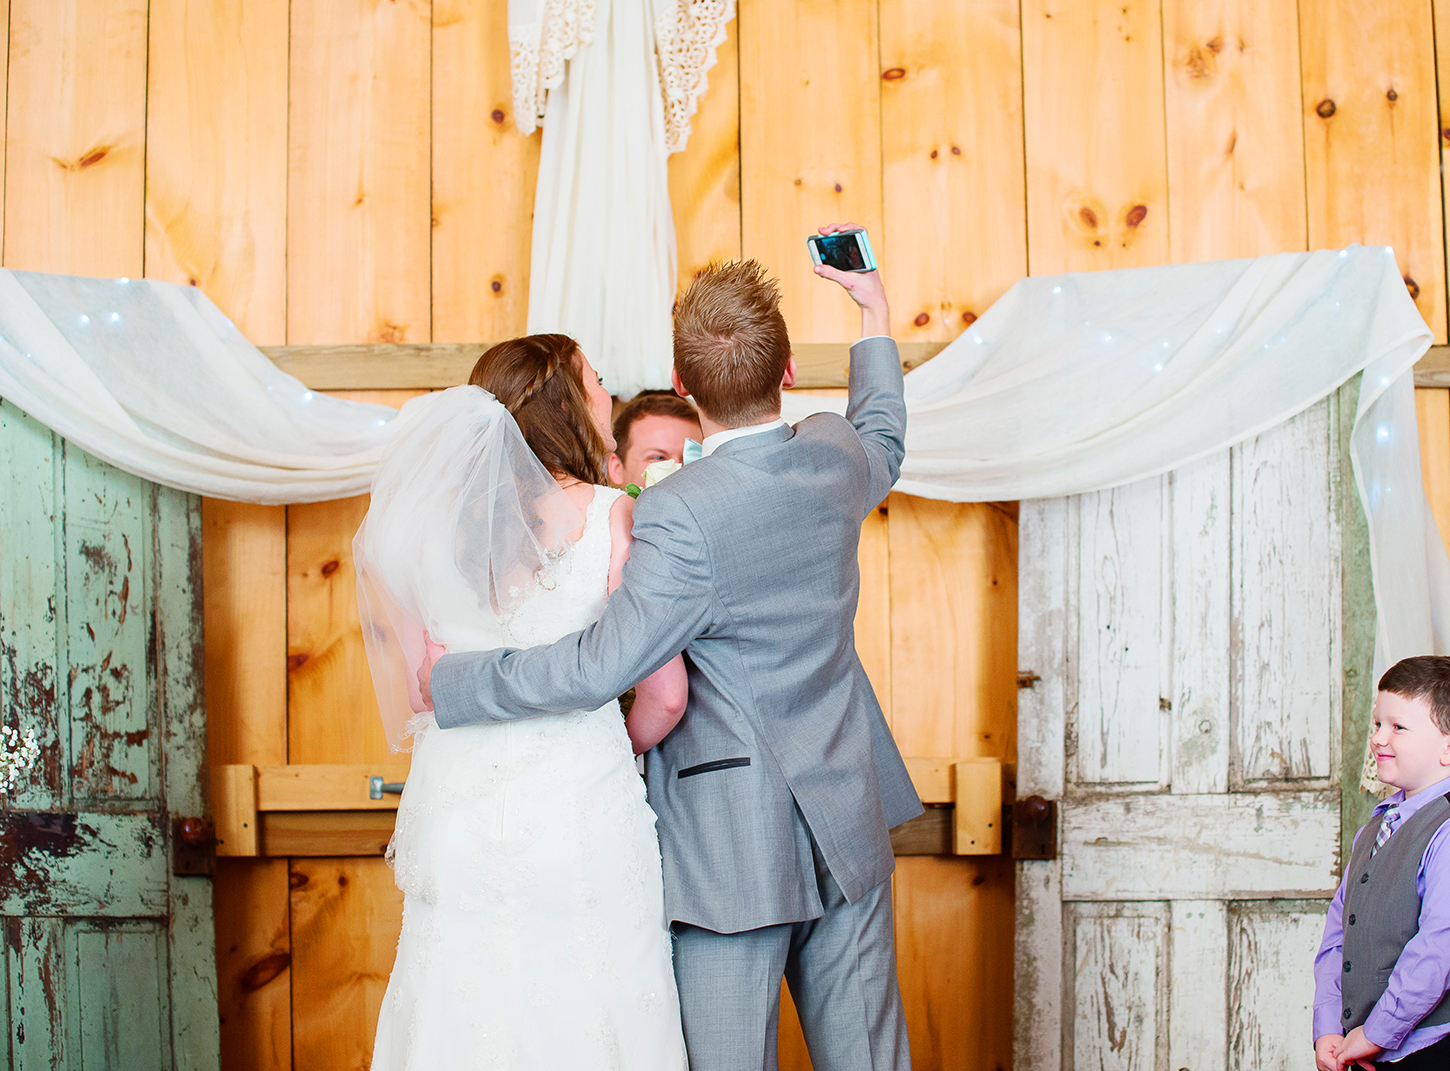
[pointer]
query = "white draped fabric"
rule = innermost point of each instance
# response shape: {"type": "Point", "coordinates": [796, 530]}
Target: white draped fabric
{"type": "Point", "coordinates": [1067, 384]}
{"type": "Point", "coordinates": [603, 254]}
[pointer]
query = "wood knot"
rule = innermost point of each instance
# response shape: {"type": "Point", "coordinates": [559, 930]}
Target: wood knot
{"type": "Point", "coordinates": [328, 568]}
{"type": "Point", "coordinates": [838, 187]}
{"type": "Point", "coordinates": [956, 150]}
{"type": "Point", "coordinates": [1445, 133]}
{"type": "Point", "coordinates": [496, 285]}
{"type": "Point", "coordinates": [89, 159]}
{"type": "Point", "coordinates": [1136, 215]}
{"type": "Point", "coordinates": [922, 319]}
{"type": "Point", "coordinates": [392, 332]}
{"type": "Point", "coordinates": [342, 881]}
{"type": "Point", "coordinates": [969, 318]}
{"type": "Point", "coordinates": [1088, 218]}
{"type": "Point", "coordinates": [934, 154]}
{"type": "Point", "coordinates": [193, 281]}
{"type": "Point", "coordinates": [297, 661]}
{"type": "Point", "coordinates": [1214, 45]}
{"type": "Point", "coordinates": [1325, 109]}
{"type": "Point", "coordinates": [497, 115]}
{"type": "Point", "coordinates": [893, 74]}
{"type": "Point", "coordinates": [264, 970]}
{"type": "Point", "coordinates": [1413, 287]}
{"type": "Point", "coordinates": [1392, 96]}
{"type": "Point", "coordinates": [296, 879]}
{"type": "Point", "coordinates": [797, 182]}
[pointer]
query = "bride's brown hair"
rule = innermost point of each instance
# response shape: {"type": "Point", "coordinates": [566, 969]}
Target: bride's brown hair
{"type": "Point", "coordinates": [538, 378]}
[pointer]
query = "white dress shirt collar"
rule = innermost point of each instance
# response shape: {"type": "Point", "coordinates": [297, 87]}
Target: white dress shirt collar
{"type": "Point", "coordinates": [712, 443]}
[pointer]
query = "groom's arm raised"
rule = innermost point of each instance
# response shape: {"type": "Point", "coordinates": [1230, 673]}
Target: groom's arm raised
{"type": "Point", "coordinates": [876, 407]}
{"type": "Point", "coordinates": [664, 600]}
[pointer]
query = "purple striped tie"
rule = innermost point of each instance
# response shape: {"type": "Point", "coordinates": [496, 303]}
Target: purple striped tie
{"type": "Point", "coordinates": [1391, 815]}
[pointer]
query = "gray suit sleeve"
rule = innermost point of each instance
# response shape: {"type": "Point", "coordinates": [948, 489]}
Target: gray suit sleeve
{"type": "Point", "coordinates": [877, 410]}
{"type": "Point", "coordinates": [664, 600]}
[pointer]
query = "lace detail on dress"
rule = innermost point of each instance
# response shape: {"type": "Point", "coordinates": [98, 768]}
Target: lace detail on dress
{"type": "Point", "coordinates": [538, 50]}
{"type": "Point", "coordinates": [687, 33]}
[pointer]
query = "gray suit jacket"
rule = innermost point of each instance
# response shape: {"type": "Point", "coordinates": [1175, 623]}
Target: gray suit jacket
{"type": "Point", "coordinates": [746, 561]}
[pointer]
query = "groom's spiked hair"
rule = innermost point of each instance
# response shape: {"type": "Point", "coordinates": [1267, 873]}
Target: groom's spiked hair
{"type": "Point", "coordinates": [731, 344]}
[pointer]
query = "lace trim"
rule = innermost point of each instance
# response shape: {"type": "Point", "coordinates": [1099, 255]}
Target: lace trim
{"type": "Point", "coordinates": [686, 40]}
{"type": "Point", "coordinates": [538, 52]}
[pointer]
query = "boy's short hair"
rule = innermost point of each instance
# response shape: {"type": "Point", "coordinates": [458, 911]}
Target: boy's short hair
{"type": "Point", "coordinates": [1424, 677]}
{"type": "Point", "coordinates": [665, 403]}
{"type": "Point", "coordinates": [731, 345]}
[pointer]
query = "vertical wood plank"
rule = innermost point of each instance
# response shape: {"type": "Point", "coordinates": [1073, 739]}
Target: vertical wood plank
{"type": "Point", "coordinates": [1370, 157]}
{"type": "Point", "coordinates": [1235, 136]}
{"type": "Point", "coordinates": [483, 178]}
{"type": "Point", "coordinates": [1432, 407]}
{"type": "Point", "coordinates": [216, 156]}
{"type": "Point", "coordinates": [346, 917]}
{"type": "Point", "coordinates": [810, 147]}
{"type": "Point", "coordinates": [1198, 984]}
{"type": "Point", "coordinates": [954, 939]}
{"type": "Point", "coordinates": [1119, 958]}
{"type": "Point", "coordinates": [951, 133]}
{"type": "Point", "coordinates": [1097, 183]}
{"type": "Point", "coordinates": [332, 708]}
{"type": "Point", "coordinates": [32, 651]}
{"type": "Point", "coordinates": [1271, 994]}
{"type": "Point", "coordinates": [953, 627]}
{"type": "Point", "coordinates": [1286, 583]}
{"type": "Point", "coordinates": [39, 986]}
{"type": "Point", "coordinates": [1117, 735]}
{"type": "Point", "coordinates": [109, 600]}
{"type": "Point", "coordinates": [254, 958]}
{"type": "Point", "coordinates": [358, 216]}
{"type": "Point", "coordinates": [705, 178]}
{"type": "Point", "coordinates": [75, 137]}
{"type": "Point", "coordinates": [1202, 501]}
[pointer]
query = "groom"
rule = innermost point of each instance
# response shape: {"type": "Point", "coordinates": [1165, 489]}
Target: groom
{"type": "Point", "coordinates": [776, 790]}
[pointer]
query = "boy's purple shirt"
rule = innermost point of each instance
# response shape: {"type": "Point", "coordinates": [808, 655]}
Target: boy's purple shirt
{"type": "Point", "coordinates": [1422, 974]}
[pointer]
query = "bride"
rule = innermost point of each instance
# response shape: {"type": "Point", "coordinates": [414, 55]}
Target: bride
{"type": "Point", "coordinates": [534, 934]}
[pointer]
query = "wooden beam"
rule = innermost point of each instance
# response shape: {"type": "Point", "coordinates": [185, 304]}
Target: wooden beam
{"type": "Point", "coordinates": [1433, 369]}
{"type": "Point", "coordinates": [423, 366]}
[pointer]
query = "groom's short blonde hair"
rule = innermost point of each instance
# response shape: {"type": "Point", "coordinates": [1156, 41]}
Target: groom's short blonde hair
{"type": "Point", "coordinates": [731, 345]}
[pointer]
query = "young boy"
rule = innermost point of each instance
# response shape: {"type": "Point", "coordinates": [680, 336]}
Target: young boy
{"type": "Point", "coordinates": [1382, 976]}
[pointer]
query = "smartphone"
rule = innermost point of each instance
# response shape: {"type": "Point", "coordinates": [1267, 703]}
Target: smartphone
{"type": "Point", "coordinates": [845, 251]}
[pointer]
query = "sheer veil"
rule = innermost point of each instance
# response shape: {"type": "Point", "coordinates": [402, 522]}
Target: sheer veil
{"type": "Point", "coordinates": [463, 518]}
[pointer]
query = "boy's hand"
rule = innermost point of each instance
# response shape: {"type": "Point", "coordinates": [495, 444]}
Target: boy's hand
{"type": "Point", "coordinates": [864, 287]}
{"type": "Point", "coordinates": [1357, 1050]}
{"type": "Point", "coordinates": [1326, 1052]}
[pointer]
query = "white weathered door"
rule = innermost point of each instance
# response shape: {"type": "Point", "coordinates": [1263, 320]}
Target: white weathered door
{"type": "Point", "coordinates": [1196, 637]}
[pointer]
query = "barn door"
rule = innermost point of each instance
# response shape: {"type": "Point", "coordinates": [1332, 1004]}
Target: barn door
{"type": "Point", "coordinates": [106, 903]}
{"type": "Point", "coordinates": [1198, 640]}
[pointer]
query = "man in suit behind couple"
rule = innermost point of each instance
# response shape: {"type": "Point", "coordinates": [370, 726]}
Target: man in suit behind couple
{"type": "Point", "coordinates": [776, 791]}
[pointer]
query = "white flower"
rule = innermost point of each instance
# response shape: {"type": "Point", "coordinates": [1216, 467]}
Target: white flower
{"type": "Point", "coordinates": [656, 472]}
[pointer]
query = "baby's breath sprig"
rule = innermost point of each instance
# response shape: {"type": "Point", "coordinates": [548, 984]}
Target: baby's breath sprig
{"type": "Point", "coordinates": [17, 755]}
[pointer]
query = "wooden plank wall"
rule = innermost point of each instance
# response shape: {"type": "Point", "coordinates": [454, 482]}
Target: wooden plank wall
{"type": "Point", "coordinates": [335, 171]}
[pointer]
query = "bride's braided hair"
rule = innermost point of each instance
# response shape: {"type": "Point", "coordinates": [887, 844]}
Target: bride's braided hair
{"type": "Point", "coordinates": [538, 379]}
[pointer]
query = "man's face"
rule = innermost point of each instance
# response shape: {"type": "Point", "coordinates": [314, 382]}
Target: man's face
{"type": "Point", "coordinates": [651, 438]}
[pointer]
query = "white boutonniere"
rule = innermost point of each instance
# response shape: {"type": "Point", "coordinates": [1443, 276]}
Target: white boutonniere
{"type": "Point", "coordinates": [653, 474]}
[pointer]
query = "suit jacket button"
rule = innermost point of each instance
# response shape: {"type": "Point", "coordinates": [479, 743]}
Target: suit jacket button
{"type": "Point", "coordinates": [1346, 966]}
{"type": "Point", "coordinates": [1351, 920]}
{"type": "Point", "coordinates": [1348, 1015]}
{"type": "Point", "coordinates": [1363, 878]}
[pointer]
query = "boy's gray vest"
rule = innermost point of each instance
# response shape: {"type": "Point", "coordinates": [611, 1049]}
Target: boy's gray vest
{"type": "Point", "coordinates": [1382, 911]}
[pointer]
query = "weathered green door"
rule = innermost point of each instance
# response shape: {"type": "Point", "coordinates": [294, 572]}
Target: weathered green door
{"type": "Point", "coordinates": [109, 953]}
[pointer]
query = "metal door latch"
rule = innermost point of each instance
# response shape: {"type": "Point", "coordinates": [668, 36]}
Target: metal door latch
{"type": "Point", "coordinates": [377, 786]}
{"type": "Point", "coordinates": [1034, 828]}
{"type": "Point", "coordinates": [193, 846]}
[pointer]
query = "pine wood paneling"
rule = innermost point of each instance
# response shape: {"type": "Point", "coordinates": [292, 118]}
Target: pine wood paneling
{"type": "Point", "coordinates": [254, 957]}
{"type": "Point", "coordinates": [705, 178]}
{"type": "Point", "coordinates": [1432, 405]}
{"type": "Point", "coordinates": [810, 147]}
{"type": "Point", "coordinates": [332, 709]}
{"type": "Point", "coordinates": [951, 134]}
{"type": "Point", "coordinates": [483, 179]}
{"type": "Point", "coordinates": [1369, 109]}
{"type": "Point", "coordinates": [358, 217]}
{"type": "Point", "coordinates": [1097, 184]}
{"type": "Point", "coordinates": [75, 136]}
{"type": "Point", "coordinates": [216, 156]}
{"type": "Point", "coordinates": [1235, 138]}
{"type": "Point", "coordinates": [346, 917]}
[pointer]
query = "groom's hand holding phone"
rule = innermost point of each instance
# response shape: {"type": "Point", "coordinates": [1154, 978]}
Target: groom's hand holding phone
{"type": "Point", "coordinates": [864, 287]}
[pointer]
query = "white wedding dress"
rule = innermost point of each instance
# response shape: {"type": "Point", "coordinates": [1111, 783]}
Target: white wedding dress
{"type": "Point", "coordinates": [534, 934]}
